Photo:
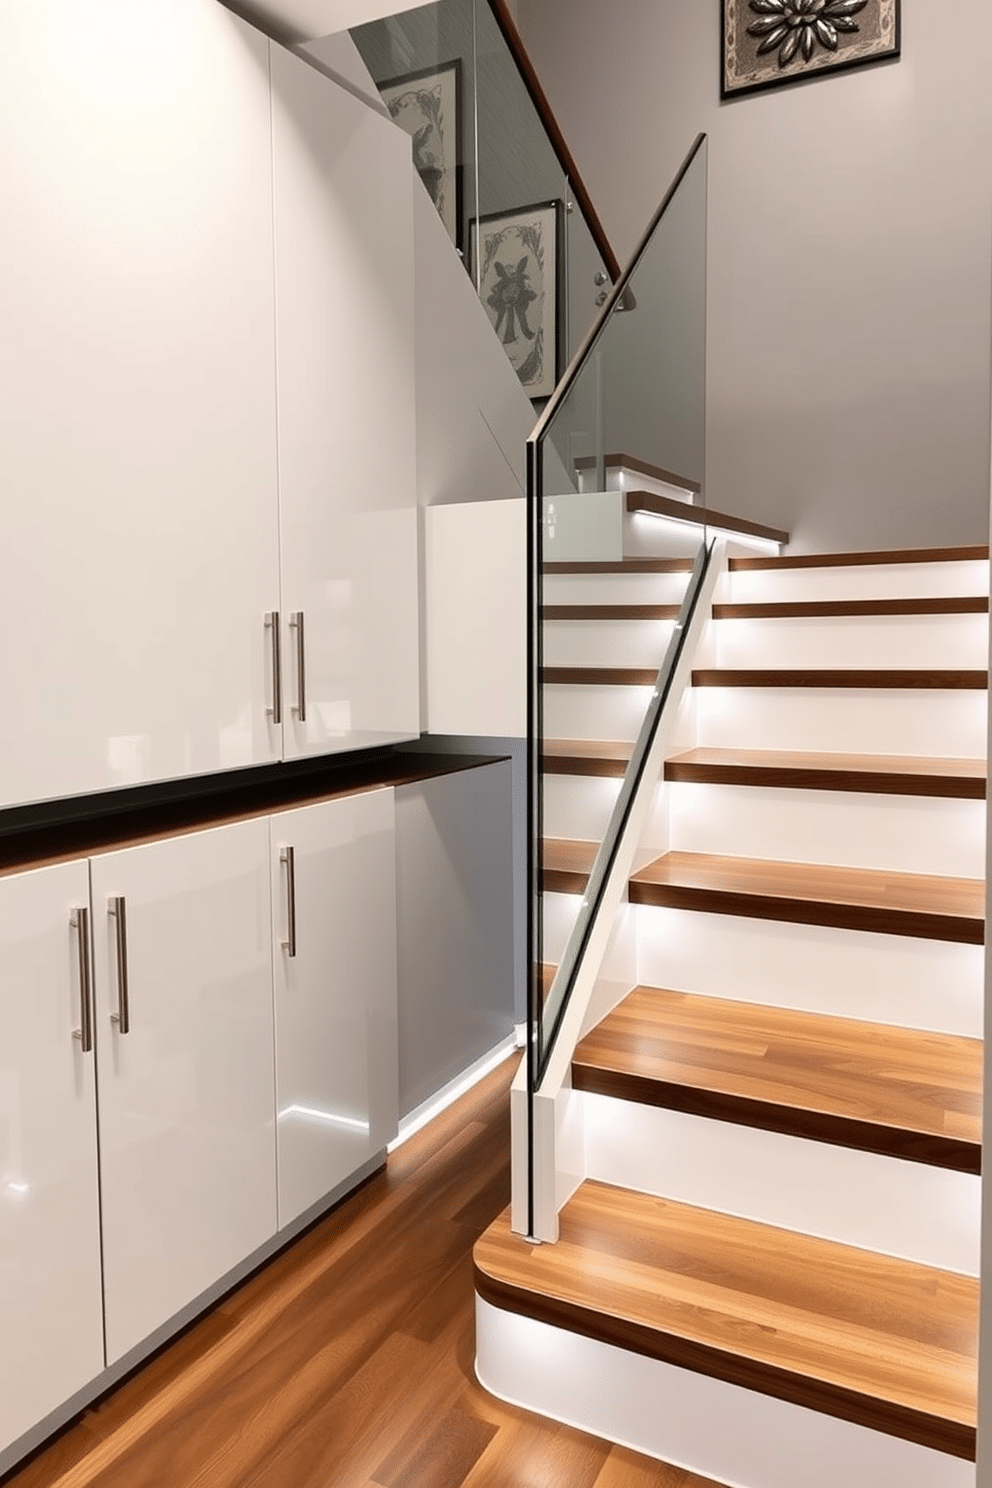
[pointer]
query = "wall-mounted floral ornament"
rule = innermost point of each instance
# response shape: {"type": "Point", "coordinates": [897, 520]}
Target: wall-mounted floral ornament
{"type": "Point", "coordinates": [770, 42]}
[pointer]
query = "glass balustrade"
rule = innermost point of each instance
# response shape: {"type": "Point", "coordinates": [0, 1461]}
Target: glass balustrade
{"type": "Point", "coordinates": [499, 174]}
{"type": "Point", "coordinates": [618, 547]}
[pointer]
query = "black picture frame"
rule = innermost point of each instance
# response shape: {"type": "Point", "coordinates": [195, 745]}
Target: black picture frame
{"type": "Point", "coordinates": [526, 288]}
{"type": "Point", "coordinates": [876, 37]}
{"type": "Point", "coordinates": [428, 105]}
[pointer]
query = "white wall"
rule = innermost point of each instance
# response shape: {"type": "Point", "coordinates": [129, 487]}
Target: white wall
{"type": "Point", "coordinates": [849, 253]}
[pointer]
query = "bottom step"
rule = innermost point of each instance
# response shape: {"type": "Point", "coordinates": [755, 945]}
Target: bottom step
{"type": "Point", "coordinates": [862, 1338]}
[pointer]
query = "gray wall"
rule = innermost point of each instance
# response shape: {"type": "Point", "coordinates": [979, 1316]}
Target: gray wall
{"type": "Point", "coordinates": [850, 239]}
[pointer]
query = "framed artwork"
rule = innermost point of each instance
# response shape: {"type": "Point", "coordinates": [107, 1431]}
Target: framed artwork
{"type": "Point", "coordinates": [517, 258]}
{"type": "Point", "coordinates": [427, 105]}
{"type": "Point", "coordinates": [770, 42]}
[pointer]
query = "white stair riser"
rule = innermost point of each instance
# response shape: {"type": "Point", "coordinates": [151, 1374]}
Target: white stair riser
{"type": "Point", "coordinates": [910, 834]}
{"type": "Point", "coordinates": [893, 979]}
{"type": "Point", "coordinates": [624, 588]}
{"type": "Point", "coordinates": [579, 712]}
{"type": "Point", "coordinates": [868, 581]}
{"type": "Point", "coordinates": [843, 720]}
{"type": "Point", "coordinates": [640, 643]}
{"type": "Point", "coordinates": [856, 1198]}
{"type": "Point", "coordinates": [917, 641]}
{"type": "Point", "coordinates": [560, 911]}
{"type": "Point", "coordinates": [578, 806]}
{"type": "Point", "coordinates": [722, 1431]}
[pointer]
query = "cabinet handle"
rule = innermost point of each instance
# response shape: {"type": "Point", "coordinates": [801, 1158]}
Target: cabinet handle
{"type": "Point", "coordinates": [296, 623]}
{"type": "Point", "coordinates": [272, 625]}
{"type": "Point", "coordinates": [80, 921]}
{"type": "Point", "coordinates": [117, 908]}
{"type": "Point", "coordinates": [288, 856]}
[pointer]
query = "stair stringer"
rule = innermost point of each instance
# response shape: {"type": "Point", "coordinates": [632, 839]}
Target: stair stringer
{"type": "Point", "coordinates": [558, 1144]}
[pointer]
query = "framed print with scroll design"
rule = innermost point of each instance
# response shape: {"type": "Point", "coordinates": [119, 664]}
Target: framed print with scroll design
{"type": "Point", "coordinates": [427, 105]}
{"type": "Point", "coordinates": [516, 255]}
{"type": "Point", "coordinates": [770, 42]}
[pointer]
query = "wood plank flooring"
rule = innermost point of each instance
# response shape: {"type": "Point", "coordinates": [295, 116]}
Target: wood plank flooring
{"type": "Point", "coordinates": [889, 903]}
{"type": "Point", "coordinates": [876, 1088]}
{"type": "Point", "coordinates": [879, 774]}
{"type": "Point", "coordinates": [347, 1362]}
{"type": "Point", "coordinates": [862, 1336]}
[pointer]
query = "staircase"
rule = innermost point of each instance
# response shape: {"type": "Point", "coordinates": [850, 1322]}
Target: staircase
{"type": "Point", "coordinates": [769, 1271]}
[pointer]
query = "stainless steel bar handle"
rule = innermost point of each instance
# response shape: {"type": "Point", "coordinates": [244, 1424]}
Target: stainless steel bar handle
{"type": "Point", "coordinates": [296, 623]}
{"type": "Point", "coordinates": [272, 625]}
{"type": "Point", "coordinates": [80, 921]}
{"type": "Point", "coordinates": [288, 856]}
{"type": "Point", "coordinates": [117, 908]}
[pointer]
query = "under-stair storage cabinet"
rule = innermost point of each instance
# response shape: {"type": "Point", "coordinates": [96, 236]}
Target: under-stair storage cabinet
{"type": "Point", "coordinates": [207, 447]}
{"type": "Point", "coordinates": [343, 201]}
{"type": "Point", "coordinates": [334, 911]}
{"type": "Point", "coordinates": [183, 954]}
{"type": "Point", "coordinates": [138, 516]}
{"type": "Point", "coordinates": [51, 1327]}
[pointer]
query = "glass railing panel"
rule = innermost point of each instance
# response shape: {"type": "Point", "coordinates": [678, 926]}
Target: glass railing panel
{"type": "Point", "coordinates": [485, 154]}
{"type": "Point", "coordinates": [611, 587]}
{"type": "Point", "coordinates": [423, 63]}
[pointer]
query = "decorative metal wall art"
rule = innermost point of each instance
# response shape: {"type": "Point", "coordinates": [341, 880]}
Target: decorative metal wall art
{"type": "Point", "coordinates": [427, 105]}
{"type": "Point", "coordinates": [517, 256]}
{"type": "Point", "coordinates": [770, 42]}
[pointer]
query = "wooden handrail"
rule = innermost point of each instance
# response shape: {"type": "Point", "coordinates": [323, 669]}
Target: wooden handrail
{"type": "Point", "coordinates": [525, 66]}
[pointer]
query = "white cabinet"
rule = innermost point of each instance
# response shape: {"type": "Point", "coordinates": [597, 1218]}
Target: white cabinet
{"type": "Point", "coordinates": [343, 213]}
{"type": "Point", "coordinates": [334, 913]}
{"type": "Point", "coordinates": [139, 546]}
{"type": "Point", "coordinates": [187, 1128]}
{"type": "Point", "coordinates": [50, 1304]}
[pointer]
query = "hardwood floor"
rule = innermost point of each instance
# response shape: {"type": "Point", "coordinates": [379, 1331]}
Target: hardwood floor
{"type": "Point", "coordinates": [347, 1362]}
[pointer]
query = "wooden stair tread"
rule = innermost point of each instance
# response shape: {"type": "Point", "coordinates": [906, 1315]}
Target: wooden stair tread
{"type": "Point", "coordinates": [598, 676]}
{"type": "Point", "coordinates": [905, 679]}
{"type": "Point", "coordinates": [621, 566]}
{"type": "Point", "coordinates": [953, 604]}
{"type": "Point", "coordinates": [700, 516]}
{"type": "Point", "coordinates": [887, 1343]}
{"type": "Point", "coordinates": [879, 773]}
{"type": "Point", "coordinates": [898, 1091]}
{"type": "Point", "coordinates": [881, 557]}
{"type": "Point", "coordinates": [610, 612]}
{"type": "Point", "coordinates": [641, 467]}
{"type": "Point", "coordinates": [914, 904]}
{"type": "Point", "coordinates": [606, 757]}
{"type": "Point", "coordinates": [566, 865]}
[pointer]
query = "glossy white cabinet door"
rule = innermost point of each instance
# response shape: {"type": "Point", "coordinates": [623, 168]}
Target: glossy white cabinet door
{"type": "Point", "coordinates": [51, 1326]}
{"type": "Point", "coordinates": [187, 1104]}
{"type": "Point", "coordinates": [343, 183]}
{"type": "Point", "coordinates": [336, 1077]}
{"type": "Point", "coordinates": [139, 529]}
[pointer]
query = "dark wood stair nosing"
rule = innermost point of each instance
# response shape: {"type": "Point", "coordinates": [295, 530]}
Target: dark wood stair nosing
{"type": "Point", "coordinates": [891, 1417]}
{"type": "Point", "coordinates": [890, 678]}
{"type": "Point", "coordinates": [700, 516]}
{"type": "Point", "coordinates": [620, 566]}
{"type": "Point", "coordinates": [599, 676]}
{"type": "Point", "coordinates": [851, 608]}
{"type": "Point", "coordinates": [927, 1148]}
{"type": "Point", "coordinates": [876, 919]}
{"type": "Point", "coordinates": [880, 558]}
{"type": "Point", "coordinates": [797, 777]}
